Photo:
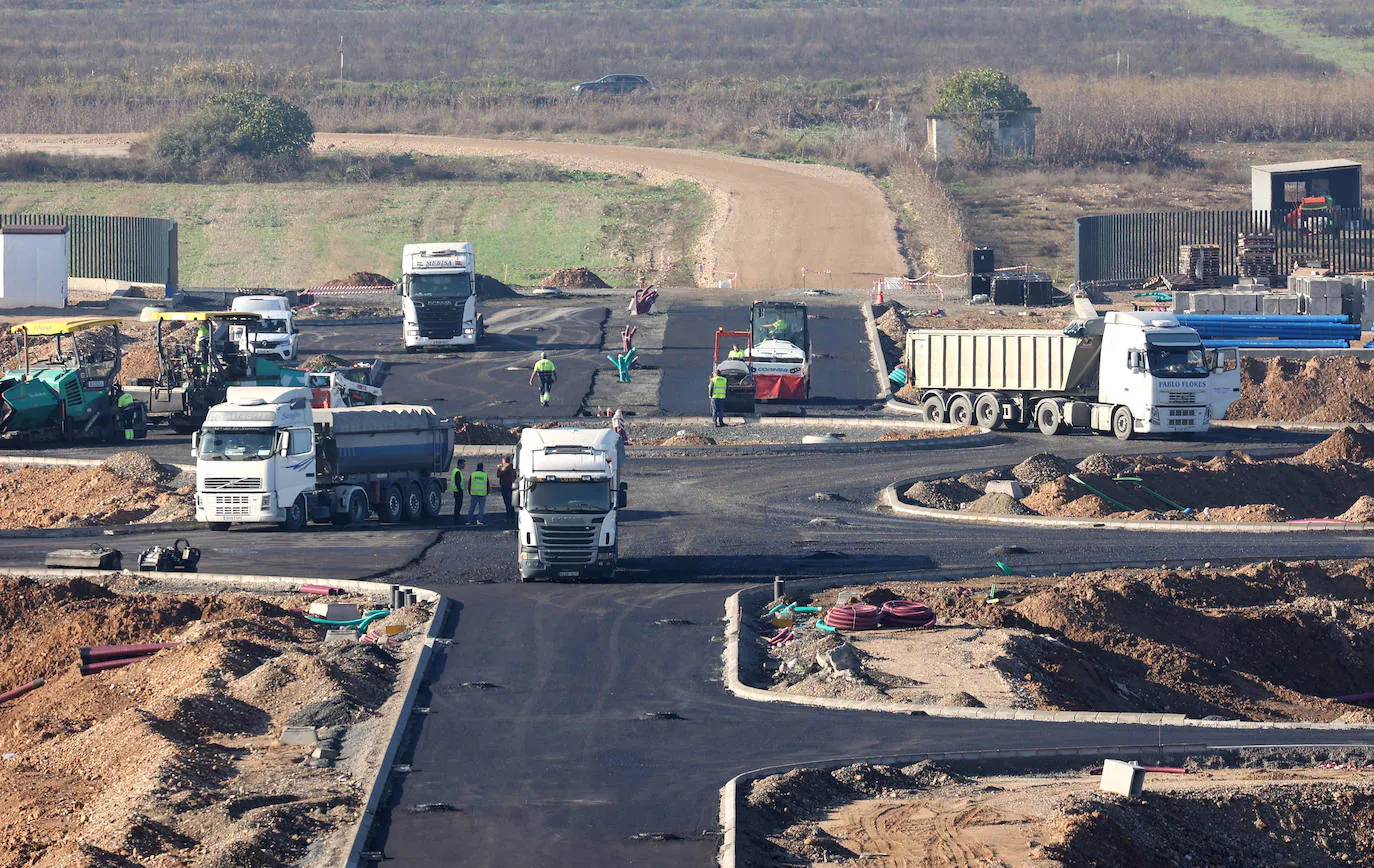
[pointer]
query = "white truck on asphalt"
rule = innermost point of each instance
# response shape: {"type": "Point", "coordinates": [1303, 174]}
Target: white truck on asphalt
{"type": "Point", "coordinates": [274, 335]}
{"type": "Point", "coordinates": [264, 456]}
{"type": "Point", "coordinates": [438, 292]}
{"type": "Point", "coordinates": [568, 488]}
{"type": "Point", "coordinates": [1127, 373]}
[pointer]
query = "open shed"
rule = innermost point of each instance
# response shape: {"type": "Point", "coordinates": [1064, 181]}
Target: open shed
{"type": "Point", "coordinates": [33, 266]}
{"type": "Point", "coordinates": [1282, 186]}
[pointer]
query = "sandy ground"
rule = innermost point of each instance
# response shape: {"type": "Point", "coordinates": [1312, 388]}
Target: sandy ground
{"type": "Point", "coordinates": [769, 218]}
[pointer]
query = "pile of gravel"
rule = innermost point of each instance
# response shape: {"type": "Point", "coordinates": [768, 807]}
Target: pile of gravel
{"type": "Point", "coordinates": [1040, 468]}
{"type": "Point", "coordinates": [138, 467]}
{"type": "Point", "coordinates": [996, 503]}
{"type": "Point", "coordinates": [1103, 464]}
{"type": "Point", "coordinates": [941, 494]}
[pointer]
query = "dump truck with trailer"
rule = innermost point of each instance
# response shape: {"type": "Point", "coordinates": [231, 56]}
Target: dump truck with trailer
{"type": "Point", "coordinates": [265, 456]}
{"type": "Point", "coordinates": [569, 488]}
{"type": "Point", "coordinates": [1127, 373]}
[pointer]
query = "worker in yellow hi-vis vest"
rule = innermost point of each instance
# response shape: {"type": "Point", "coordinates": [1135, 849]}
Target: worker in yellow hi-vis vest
{"type": "Point", "coordinates": [544, 370]}
{"type": "Point", "coordinates": [716, 389]}
{"type": "Point", "coordinates": [477, 495]}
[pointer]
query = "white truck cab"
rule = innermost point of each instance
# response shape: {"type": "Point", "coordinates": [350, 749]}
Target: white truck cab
{"type": "Point", "coordinates": [568, 488]}
{"type": "Point", "coordinates": [438, 292]}
{"type": "Point", "coordinates": [275, 334]}
{"type": "Point", "coordinates": [255, 454]}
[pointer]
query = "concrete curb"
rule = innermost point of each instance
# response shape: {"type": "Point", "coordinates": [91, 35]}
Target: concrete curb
{"type": "Point", "coordinates": [415, 678]}
{"type": "Point", "coordinates": [729, 794]}
{"type": "Point", "coordinates": [754, 597]}
{"type": "Point", "coordinates": [874, 421]}
{"type": "Point", "coordinates": [964, 442]}
{"type": "Point", "coordinates": [889, 497]}
{"type": "Point", "coordinates": [876, 347]}
{"type": "Point", "coordinates": [358, 321]}
{"type": "Point", "coordinates": [896, 405]}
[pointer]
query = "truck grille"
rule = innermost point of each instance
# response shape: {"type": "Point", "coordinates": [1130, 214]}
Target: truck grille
{"type": "Point", "coordinates": [1183, 417]}
{"type": "Point", "coordinates": [230, 484]}
{"type": "Point", "coordinates": [1183, 397]}
{"type": "Point", "coordinates": [441, 329]}
{"type": "Point", "coordinates": [567, 544]}
{"type": "Point", "coordinates": [231, 505]}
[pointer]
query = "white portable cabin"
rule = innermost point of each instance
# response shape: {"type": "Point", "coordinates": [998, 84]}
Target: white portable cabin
{"type": "Point", "coordinates": [33, 266]}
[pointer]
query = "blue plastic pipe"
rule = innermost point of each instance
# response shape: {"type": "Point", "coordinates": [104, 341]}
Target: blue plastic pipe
{"type": "Point", "coordinates": [1190, 318]}
{"type": "Point", "coordinates": [1275, 344]}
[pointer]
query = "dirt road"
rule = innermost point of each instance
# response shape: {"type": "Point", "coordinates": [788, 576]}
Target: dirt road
{"type": "Point", "coordinates": [769, 219]}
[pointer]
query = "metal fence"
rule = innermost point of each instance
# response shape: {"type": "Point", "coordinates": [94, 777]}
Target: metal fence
{"type": "Point", "coordinates": [1139, 246]}
{"type": "Point", "coordinates": [134, 249]}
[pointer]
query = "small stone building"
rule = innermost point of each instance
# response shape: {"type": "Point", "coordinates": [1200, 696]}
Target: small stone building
{"type": "Point", "coordinates": [1013, 132]}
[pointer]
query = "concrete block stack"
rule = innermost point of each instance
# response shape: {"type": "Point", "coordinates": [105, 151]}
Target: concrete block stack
{"type": "Point", "coordinates": [1320, 296]}
{"type": "Point", "coordinates": [1358, 298]}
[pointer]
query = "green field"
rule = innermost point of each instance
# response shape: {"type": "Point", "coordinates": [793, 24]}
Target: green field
{"type": "Point", "coordinates": [1296, 28]}
{"type": "Point", "coordinates": [302, 234]}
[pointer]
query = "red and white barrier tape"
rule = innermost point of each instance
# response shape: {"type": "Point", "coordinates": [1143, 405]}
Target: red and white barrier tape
{"type": "Point", "coordinates": [327, 291]}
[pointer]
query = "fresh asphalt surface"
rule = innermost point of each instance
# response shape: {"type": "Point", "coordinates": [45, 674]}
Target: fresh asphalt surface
{"type": "Point", "coordinates": [554, 763]}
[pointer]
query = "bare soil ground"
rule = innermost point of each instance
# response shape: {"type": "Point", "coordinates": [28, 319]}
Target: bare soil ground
{"type": "Point", "coordinates": [769, 218]}
{"type": "Point", "coordinates": [1327, 481]}
{"type": "Point", "coordinates": [127, 488]}
{"type": "Point", "coordinates": [174, 760]}
{"type": "Point", "coordinates": [1252, 812]}
{"type": "Point", "coordinates": [1320, 389]}
{"type": "Point", "coordinates": [1238, 643]}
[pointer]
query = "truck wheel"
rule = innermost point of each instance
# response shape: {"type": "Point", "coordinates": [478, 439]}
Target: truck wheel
{"type": "Point", "coordinates": [960, 410]}
{"type": "Point", "coordinates": [1123, 425]}
{"type": "Point", "coordinates": [296, 515]}
{"type": "Point", "coordinates": [1048, 418]}
{"type": "Point", "coordinates": [933, 408]}
{"type": "Point", "coordinates": [391, 508]}
{"type": "Point", "coordinates": [218, 525]}
{"type": "Point", "coordinates": [987, 411]}
{"type": "Point", "coordinates": [414, 503]}
{"type": "Point", "coordinates": [434, 500]}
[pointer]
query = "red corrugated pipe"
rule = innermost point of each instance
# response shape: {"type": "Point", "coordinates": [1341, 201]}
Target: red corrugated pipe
{"type": "Point", "coordinates": [21, 690]}
{"type": "Point", "coordinates": [855, 616]}
{"type": "Point", "coordinates": [99, 653]}
{"type": "Point", "coordinates": [906, 613]}
{"type": "Point", "coordinates": [322, 590]}
{"type": "Point", "coordinates": [93, 668]}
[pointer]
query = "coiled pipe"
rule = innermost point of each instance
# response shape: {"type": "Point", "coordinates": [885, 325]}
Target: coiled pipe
{"type": "Point", "coordinates": [906, 613]}
{"type": "Point", "coordinates": [854, 616]}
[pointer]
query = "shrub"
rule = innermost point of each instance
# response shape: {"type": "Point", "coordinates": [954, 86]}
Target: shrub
{"type": "Point", "coordinates": [242, 124]}
{"type": "Point", "coordinates": [980, 90]}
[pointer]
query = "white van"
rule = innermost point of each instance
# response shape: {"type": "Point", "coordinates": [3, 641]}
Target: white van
{"type": "Point", "coordinates": [275, 335]}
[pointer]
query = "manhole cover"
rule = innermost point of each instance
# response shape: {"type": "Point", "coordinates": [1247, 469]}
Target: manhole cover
{"type": "Point", "coordinates": [660, 715]}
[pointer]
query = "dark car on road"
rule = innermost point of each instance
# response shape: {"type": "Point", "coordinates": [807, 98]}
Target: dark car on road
{"type": "Point", "coordinates": [617, 83]}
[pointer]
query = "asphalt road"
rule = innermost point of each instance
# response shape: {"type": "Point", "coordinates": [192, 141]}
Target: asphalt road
{"type": "Point", "coordinates": [842, 378]}
{"type": "Point", "coordinates": [555, 765]}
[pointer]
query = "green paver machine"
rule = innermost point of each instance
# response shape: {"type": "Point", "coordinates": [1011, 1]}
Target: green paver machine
{"type": "Point", "coordinates": [72, 395]}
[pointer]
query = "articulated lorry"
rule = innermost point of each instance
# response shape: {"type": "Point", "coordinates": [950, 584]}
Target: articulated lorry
{"type": "Point", "coordinates": [1127, 373]}
{"type": "Point", "coordinates": [568, 490]}
{"type": "Point", "coordinates": [265, 456]}
{"type": "Point", "coordinates": [438, 292]}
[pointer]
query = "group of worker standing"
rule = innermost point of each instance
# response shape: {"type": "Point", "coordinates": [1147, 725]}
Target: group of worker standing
{"type": "Point", "coordinates": [475, 486]}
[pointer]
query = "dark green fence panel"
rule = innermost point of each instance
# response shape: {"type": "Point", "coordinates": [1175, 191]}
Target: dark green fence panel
{"type": "Point", "coordinates": [1122, 247]}
{"type": "Point", "coordinates": [135, 249]}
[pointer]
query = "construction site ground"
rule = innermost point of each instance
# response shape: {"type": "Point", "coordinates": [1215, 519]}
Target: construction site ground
{"type": "Point", "coordinates": [1235, 643]}
{"type": "Point", "coordinates": [126, 488]}
{"type": "Point", "coordinates": [1328, 481]}
{"type": "Point", "coordinates": [1256, 808]}
{"type": "Point", "coordinates": [177, 758]}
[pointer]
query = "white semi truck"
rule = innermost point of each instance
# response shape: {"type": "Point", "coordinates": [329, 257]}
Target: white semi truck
{"type": "Point", "coordinates": [265, 456]}
{"type": "Point", "coordinates": [569, 487]}
{"type": "Point", "coordinates": [438, 292]}
{"type": "Point", "coordinates": [1127, 373]}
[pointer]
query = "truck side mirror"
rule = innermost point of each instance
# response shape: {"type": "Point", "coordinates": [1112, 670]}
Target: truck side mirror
{"type": "Point", "coordinates": [280, 444]}
{"type": "Point", "coordinates": [622, 496]}
{"type": "Point", "coordinates": [1134, 361]}
{"type": "Point", "coordinates": [195, 443]}
{"type": "Point", "coordinates": [396, 289]}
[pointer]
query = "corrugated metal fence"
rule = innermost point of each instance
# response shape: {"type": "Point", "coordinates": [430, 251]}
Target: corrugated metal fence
{"type": "Point", "coordinates": [1139, 246]}
{"type": "Point", "coordinates": [136, 249]}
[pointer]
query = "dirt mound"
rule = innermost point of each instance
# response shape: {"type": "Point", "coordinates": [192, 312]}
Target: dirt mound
{"type": "Point", "coordinates": [1361, 510]}
{"type": "Point", "coordinates": [995, 503]}
{"type": "Point", "coordinates": [361, 278]}
{"type": "Point", "coordinates": [574, 278]}
{"type": "Point", "coordinates": [1320, 389]}
{"type": "Point", "coordinates": [470, 433]}
{"type": "Point", "coordinates": [1348, 444]}
{"type": "Point", "coordinates": [688, 438]}
{"type": "Point", "coordinates": [489, 287]}
{"type": "Point", "coordinates": [1103, 464]}
{"type": "Point", "coordinates": [897, 436]}
{"type": "Point", "coordinates": [1040, 468]}
{"type": "Point", "coordinates": [941, 494]}
{"type": "Point", "coordinates": [36, 497]}
{"type": "Point", "coordinates": [892, 328]}
{"type": "Point", "coordinates": [1322, 825]}
{"type": "Point", "coordinates": [326, 362]}
{"type": "Point", "coordinates": [1249, 512]}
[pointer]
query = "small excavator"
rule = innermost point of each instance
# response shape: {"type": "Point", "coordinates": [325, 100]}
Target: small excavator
{"type": "Point", "coordinates": [1315, 215]}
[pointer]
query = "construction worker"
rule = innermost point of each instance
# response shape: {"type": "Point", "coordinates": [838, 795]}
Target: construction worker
{"type": "Point", "coordinates": [477, 495]}
{"type": "Point", "coordinates": [202, 343]}
{"type": "Point", "coordinates": [736, 352]}
{"type": "Point", "coordinates": [544, 370]}
{"type": "Point", "coordinates": [716, 390]}
{"type": "Point", "coordinates": [125, 406]}
{"type": "Point", "coordinates": [458, 485]}
{"type": "Point", "coordinates": [778, 328]}
{"type": "Point", "coordinates": [505, 477]}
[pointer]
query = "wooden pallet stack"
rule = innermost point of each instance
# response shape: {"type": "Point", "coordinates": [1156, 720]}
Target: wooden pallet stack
{"type": "Point", "coordinates": [1201, 262]}
{"type": "Point", "coordinates": [1257, 255]}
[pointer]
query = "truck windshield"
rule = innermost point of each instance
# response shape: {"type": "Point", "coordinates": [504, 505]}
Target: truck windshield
{"type": "Point", "coordinates": [440, 285]}
{"type": "Point", "coordinates": [544, 496]}
{"type": "Point", "coordinates": [780, 324]}
{"type": "Point", "coordinates": [1176, 361]}
{"type": "Point", "coordinates": [235, 444]}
